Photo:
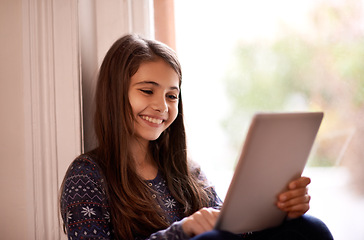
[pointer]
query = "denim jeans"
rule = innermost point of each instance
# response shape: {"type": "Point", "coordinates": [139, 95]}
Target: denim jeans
{"type": "Point", "coordinates": [302, 228]}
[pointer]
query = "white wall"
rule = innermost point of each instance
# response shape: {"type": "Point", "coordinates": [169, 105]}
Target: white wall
{"type": "Point", "coordinates": [40, 120]}
{"type": "Point", "coordinates": [13, 201]}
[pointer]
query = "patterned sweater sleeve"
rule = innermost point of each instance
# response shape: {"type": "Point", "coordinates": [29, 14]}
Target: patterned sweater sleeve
{"type": "Point", "coordinates": [175, 231]}
{"type": "Point", "coordinates": [84, 206]}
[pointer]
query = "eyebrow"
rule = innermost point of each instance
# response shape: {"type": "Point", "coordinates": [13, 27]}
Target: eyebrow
{"type": "Point", "coordinates": [155, 84]}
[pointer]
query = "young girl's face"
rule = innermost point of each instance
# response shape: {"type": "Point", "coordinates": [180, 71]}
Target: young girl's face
{"type": "Point", "coordinates": [153, 95]}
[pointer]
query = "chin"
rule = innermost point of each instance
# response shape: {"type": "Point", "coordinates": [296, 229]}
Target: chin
{"type": "Point", "coordinates": [151, 137]}
{"type": "Point", "coordinates": [154, 138]}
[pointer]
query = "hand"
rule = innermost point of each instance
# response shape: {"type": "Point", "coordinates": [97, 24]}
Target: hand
{"type": "Point", "coordinates": [295, 201]}
{"type": "Point", "coordinates": [201, 221]}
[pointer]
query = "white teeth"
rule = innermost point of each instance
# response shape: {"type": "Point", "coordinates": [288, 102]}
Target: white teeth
{"type": "Point", "coordinates": [152, 120]}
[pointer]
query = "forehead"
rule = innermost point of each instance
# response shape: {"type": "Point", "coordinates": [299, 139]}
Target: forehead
{"type": "Point", "coordinates": [158, 72]}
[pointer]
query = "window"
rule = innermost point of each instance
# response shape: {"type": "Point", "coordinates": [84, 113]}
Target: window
{"type": "Point", "coordinates": [239, 57]}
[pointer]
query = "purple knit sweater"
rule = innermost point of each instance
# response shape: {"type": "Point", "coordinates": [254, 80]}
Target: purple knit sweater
{"type": "Point", "coordinates": [86, 212]}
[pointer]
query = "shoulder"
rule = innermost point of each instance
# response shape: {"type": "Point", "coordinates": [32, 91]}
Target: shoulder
{"type": "Point", "coordinates": [84, 178]}
{"type": "Point", "coordinates": [209, 188]}
{"type": "Point", "coordinates": [86, 167]}
{"type": "Point", "coordinates": [83, 183]}
{"type": "Point", "coordinates": [197, 173]}
{"type": "Point", "coordinates": [83, 164]}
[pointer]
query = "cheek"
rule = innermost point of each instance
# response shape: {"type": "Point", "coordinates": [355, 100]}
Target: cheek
{"type": "Point", "coordinates": [136, 105]}
{"type": "Point", "coordinates": [174, 113]}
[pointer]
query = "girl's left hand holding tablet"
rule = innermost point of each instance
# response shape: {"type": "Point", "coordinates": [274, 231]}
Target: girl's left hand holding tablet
{"type": "Point", "coordinates": [295, 201]}
{"type": "Point", "coordinates": [201, 221]}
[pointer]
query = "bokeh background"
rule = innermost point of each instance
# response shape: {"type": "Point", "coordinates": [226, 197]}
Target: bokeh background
{"type": "Point", "coordinates": [241, 57]}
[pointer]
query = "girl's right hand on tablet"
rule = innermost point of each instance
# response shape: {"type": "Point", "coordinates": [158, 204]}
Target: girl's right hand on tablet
{"type": "Point", "coordinates": [201, 221]}
{"type": "Point", "coordinates": [296, 200]}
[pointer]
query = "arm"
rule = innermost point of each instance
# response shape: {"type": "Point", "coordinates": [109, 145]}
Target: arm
{"type": "Point", "coordinates": [199, 222]}
{"type": "Point", "coordinates": [295, 201]}
{"type": "Point", "coordinates": [84, 206]}
{"type": "Point", "coordinates": [85, 210]}
{"type": "Point", "coordinates": [173, 232]}
{"type": "Point", "coordinates": [203, 220]}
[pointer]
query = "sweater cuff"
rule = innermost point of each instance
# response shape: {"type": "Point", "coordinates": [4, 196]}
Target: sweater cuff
{"type": "Point", "coordinates": [178, 227]}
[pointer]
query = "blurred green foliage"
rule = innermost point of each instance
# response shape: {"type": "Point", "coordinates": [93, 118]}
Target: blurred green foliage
{"type": "Point", "coordinates": [323, 71]}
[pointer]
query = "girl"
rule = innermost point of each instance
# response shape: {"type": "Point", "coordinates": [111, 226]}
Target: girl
{"type": "Point", "coordinates": [138, 183]}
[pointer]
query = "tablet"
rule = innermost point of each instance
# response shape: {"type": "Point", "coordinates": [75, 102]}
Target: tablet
{"type": "Point", "coordinates": [274, 153]}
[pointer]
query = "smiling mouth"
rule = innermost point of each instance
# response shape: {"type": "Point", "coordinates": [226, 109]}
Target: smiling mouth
{"type": "Point", "coordinates": [152, 120]}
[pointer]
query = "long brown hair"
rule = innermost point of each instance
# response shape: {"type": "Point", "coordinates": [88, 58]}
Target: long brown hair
{"type": "Point", "coordinates": [132, 208]}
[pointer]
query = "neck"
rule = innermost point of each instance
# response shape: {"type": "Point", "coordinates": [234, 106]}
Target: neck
{"type": "Point", "coordinates": [145, 165]}
{"type": "Point", "coordinates": [140, 151]}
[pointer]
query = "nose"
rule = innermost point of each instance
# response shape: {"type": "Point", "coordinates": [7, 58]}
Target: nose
{"type": "Point", "coordinates": [159, 104]}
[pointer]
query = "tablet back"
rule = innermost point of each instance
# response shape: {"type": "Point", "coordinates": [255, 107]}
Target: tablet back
{"type": "Point", "coordinates": [275, 152]}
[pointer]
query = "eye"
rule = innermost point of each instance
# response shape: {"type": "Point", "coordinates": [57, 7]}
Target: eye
{"type": "Point", "coordinates": [172, 96]}
{"type": "Point", "coordinates": [146, 91]}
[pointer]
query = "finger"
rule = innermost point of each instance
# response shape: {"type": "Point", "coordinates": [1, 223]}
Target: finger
{"type": "Point", "coordinates": [300, 208]}
{"type": "Point", "coordinates": [202, 221]}
{"type": "Point", "coordinates": [206, 218]}
{"type": "Point", "coordinates": [193, 226]}
{"type": "Point", "coordinates": [210, 215]}
{"type": "Point", "coordinates": [294, 202]}
{"type": "Point", "coordinates": [295, 214]}
{"type": "Point", "coordinates": [213, 215]}
{"type": "Point", "coordinates": [297, 210]}
{"type": "Point", "coordinates": [301, 182]}
{"type": "Point", "coordinates": [292, 194]}
{"type": "Point", "coordinates": [200, 228]}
